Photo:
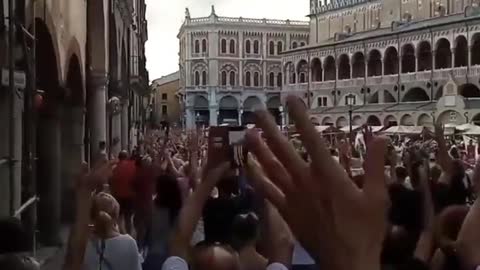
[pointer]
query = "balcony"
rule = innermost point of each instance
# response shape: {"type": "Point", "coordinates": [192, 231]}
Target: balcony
{"type": "Point", "coordinates": [421, 76]}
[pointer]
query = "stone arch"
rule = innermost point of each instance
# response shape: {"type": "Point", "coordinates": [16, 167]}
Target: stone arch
{"type": "Point", "coordinates": [344, 67]}
{"type": "Point", "coordinates": [228, 110]}
{"type": "Point", "coordinates": [407, 120]}
{"type": "Point", "coordinates": [416, 94]}
{"type": "Point", "coordinates": [373, 98]}
{"type": "Point", "coordinates": [390, 120]}
{"type": "Point", "coordinates": [391, 61]}
{"type": "Point", "coordinates": [74, 50]}
{"type": "Point", "coordinates": [327, 120]}
{"type": "Point", "coordinates": [317, 70]}
{"type": "Point", "coordinates": [330, 68]}
{"type": "Point", "coordinates": [425, 120]}
{"type": "Point", "coordinates": [200, 102]}
{"type": "Point", "coordinates": [357, 120]}
{"type": "Point", "coordinates": [408, 58]}
{"type": "Point", "coordinates": [443, 54]}
{"type": "Point", "coordinates": [358, 65]}
{"type": "Point", "coordinates": [388, 97]}
{"type": "Point", "coordinates": [475, 49]}
{"type": "Point", "coordinates": [373, 120]}
{"type": "Point", "coordinates": [424, 56]}
{"type": "Point", "coordinates": [469, 91]}
{"type": "Point", "coordinates": [374, 63]}
{"type": "Point", "coordinates": [450, 117]}
{"type": "Point", "coordinates": [250, 105]}
{"type": "Point", "coordinates": [461, 51]}
{"type": "Point", "coordinates": [273, 106]}
{"type": "Point", "coordinates": [476, 119]}
{"type": "Point", "coordinates": [49, 135]}
{"type": "Point", "coordinates": [74, 82]}
{"type": "Point", "coordinates": [302, 71]}
{"type": "Point", "coordinates": [342, 121]}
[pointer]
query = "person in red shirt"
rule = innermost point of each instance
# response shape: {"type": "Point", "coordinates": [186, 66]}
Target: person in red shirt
{"type": "Point", "coordinates": [122, 188]}
{"type": "Point", "coordinates": [144, 187]}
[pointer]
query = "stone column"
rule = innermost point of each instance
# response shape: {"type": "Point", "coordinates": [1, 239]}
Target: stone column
{"type": "Point", "coordinates": [452, 51]}
{"type": "Point", "coordinates": [213, 115]}
{"type": "Point", "coordinates": [190, 121]}
{"type": "Point", "coordinates": [72, 155]}
{"type": "Point", "coordinates": [240, 112]}
{"type": "Point", "coordinates": [469, 53]}
{"type": "Point", "coordinates": [98, 85]}
{"type": "Point", "coordinates": [124, 125]}
{"type": "Point", "coordinates": [433, 59]}
{"type": "Point", "coordinates": [383, 66]}
{"type": "Point", "coordinates": [115, 144]}
{"type": "Point", "coordinates": [49, 173]}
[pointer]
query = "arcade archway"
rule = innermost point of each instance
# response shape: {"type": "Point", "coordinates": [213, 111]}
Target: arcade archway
{"type": "Point", "coordinates": [228, 111]}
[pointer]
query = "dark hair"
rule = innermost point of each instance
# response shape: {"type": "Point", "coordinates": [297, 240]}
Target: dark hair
{"type": "Point", "coordinates": [401, 172]}
{"type": "Point", "coordinates": [16, 262]}
{"type": "Point", "coordinates": [123, 155]}
{"type": "Point", "coordinates": [102, 144]}
{"type": "Point", "coordinates": [229, 185]}
{"type": "Point", "coordinates": [14, 236]}
{"type": "Point", "coordinates": [245, 229]}
{"type": "Point", "coordinates": [169, 195]}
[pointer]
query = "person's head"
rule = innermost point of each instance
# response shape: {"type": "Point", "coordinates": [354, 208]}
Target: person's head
{"type": "Point", "coordinates": [207, 256]}
{"type": "Point", "coordinates": [333, 152]}
{"type": "Point", "coordinates": [398, 246]}
{"type": "Point", "coordinates": [454, 153]}
{"type": "Point", "coordinates": [169, 195]}
{"type": "Point", "coordinates": [470, 142]}
{"type": "Point", "coordinates": [245, 230]}
{"type": "Point", "coordinates": [435, 173]}
{"type": "Point", "coordinates": [102, 145]}
{"type": "Point", "coordinates": [401, 173]}
{"type": "Point", "coordinates": [123, 155]}
{"type": "Point", "coordinates": [105, 213]}
{"type": "Point", "coordinates": [14, 236]}
{"type": "Point", "coordinates": [18, 262]}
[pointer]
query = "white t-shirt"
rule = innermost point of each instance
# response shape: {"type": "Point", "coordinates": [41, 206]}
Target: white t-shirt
{"type": "Point", "coordinates": [120, 253]}
{"type": "Point", "coordinates": [177, 263]}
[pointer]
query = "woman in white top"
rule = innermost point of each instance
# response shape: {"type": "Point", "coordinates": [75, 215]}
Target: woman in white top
{"type": "Point", "coordinates": [107, 249]}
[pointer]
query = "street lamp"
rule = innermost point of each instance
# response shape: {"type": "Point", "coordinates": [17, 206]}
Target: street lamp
{"type": "Point", "coordinates": [350, 98]}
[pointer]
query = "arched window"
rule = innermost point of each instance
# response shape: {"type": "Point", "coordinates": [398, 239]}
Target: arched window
{"type": "Point", "coordinates": [224, 46]}
{"type": "Point", "coordinates": [271, 79]}
{"type": "Point", "coordinates": [279, 47]}
{"type": "Point", "coordinates": [224, 78]}
{"type": "Point", "coordinates": [293, 78]}
{"type": "Point", "coordinates": [294, 45]}
{"type": "Point", "coordinates": [248, 79]}
{"type": "Point", "coordinates": [271, 48]}
{"type": "Point", "coordinates": [232, 78]}
{"type": "Point", "coordinates": [204, 45]}
{"type": "Point", "coordinates": [204, 77]}
{"type": "Point", "coordinates": [256, 46]}
{"type": "Point", "coordinates": [197, 78]}
{"type": "Point", "coordinates": [302, 78]}
{"type": "Point", "coordinates": [256, 79]}
{"type": "Point", "coordinates": [279, 79]}
{"type": "Point", "coordinates": [197, 46]}
{"type": "Point", "coordinates": [302, 44]}
{"type": "Point", "coordinates": [232, 46]}
{"type": "Point", "coordinates": [248, 46]}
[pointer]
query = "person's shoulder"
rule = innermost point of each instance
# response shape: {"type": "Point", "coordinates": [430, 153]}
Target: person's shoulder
{"type": "Point", "coordinates": [175, 263]}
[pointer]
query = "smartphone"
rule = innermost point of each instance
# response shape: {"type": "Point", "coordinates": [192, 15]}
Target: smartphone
{"type": "Point", "coordinates": [227, 144]}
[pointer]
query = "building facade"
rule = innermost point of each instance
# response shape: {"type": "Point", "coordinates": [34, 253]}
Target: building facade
{"type": "Point", "coordinates": [167, 104]}
{"type": "Point", "coordinates": [229, 66]}
{"type": "Point", "coordinates": [83, 87]}
{"type": "Point", "coordinates": [388, 62]}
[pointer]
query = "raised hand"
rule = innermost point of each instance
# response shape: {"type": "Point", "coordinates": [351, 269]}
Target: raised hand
{"type": "Point", "coordinates": [340, 225]}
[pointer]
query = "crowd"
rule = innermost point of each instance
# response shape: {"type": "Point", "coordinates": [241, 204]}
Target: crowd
{"type": "Point", "coordinates": [300, 203]}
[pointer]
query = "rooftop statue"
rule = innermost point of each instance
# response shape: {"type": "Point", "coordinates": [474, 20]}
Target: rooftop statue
{"type": "Point", "coordinates": [187, 13]}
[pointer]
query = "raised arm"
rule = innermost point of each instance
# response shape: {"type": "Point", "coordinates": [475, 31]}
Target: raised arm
{"type": "Point", "coordinates": [192, 211]}
{"type": "Point", "coordinates": [444, 159]}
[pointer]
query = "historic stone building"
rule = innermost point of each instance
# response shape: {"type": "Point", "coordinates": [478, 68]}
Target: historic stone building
{"type": "Point", "coordinates": [86, 80]}
{"type": "Point", "coordinates": [228, 66]}
{"type": "Point", "coordinates": [166, 102]}
{"type": "Point", "coordinates": [408, 62]}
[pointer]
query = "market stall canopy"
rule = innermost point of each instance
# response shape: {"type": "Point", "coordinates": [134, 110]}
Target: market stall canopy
{"type": "Point", "coordinates": [474, 130]}
{"type": "Point", "coordinates": [326, 129]}
{"type": "Point", "coordinates": [375, 129]}
{"type": "Point", "coordinates": [407, 130]}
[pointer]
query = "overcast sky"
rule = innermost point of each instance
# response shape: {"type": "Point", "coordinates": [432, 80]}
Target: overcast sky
{"type": "Point", "coordinates": [166, 16]}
